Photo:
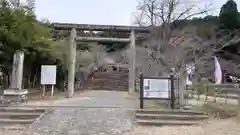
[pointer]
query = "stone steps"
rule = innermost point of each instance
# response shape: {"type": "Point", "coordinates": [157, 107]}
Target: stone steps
{"type": "Point", "coordinates": [20, 109]}
{"type": "Point", "coordinates": [169, 111]}
{"type": "Point", "coordinates": [105, 81]}
{"type": "Point", "coordinates": [18, 127]}
{"type": "Point", "coordinates": [113, 80]}
{"type": "Point", "coordinates": [166, 123]}
{"type": "Point", "coordinates": [20, 115]}
{"type": "Point", "coordinates": [108, 89]}
{"type": "Point", "coordinates": [167, 117]}
{"type": "Point", "coordinates": [171, 116]}
{"type": "Point", "coordinates": [16, 121]}
{"type": "Point", "coordinates": [10, 116]}
{"type": "Point", "coordinates": [109, 77]}
{"type": "Point", "coordinates": [107, 85]}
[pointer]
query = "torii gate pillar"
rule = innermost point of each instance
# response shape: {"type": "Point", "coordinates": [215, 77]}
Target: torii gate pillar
{"type": "Point", "coordinates": [72, 63]}
{"type": "Point", "coordinates": [132, 63]}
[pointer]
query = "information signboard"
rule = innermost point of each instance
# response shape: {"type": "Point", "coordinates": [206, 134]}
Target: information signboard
{"type": "Point", "coordinates": [48, 74]}
{"type": "Point", "coordinates": [156, 88]}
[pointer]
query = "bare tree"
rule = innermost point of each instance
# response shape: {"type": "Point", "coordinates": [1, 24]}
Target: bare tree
{"type": "Point", "coordinates": [163, 12]}
{"type": "Point", "coordinates": [162, 15]}
{"type": "Point", "coordinates": [169, 47]}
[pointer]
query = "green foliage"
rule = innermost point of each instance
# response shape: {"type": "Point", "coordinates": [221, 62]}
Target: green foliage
{"type": "Point", "coordinates": [229, 16]}
{"type": "Point", "coordinates": [83, 46]}
{"type": "Point", "coordinates": [112, 47]}
{"type": "Point", "coordinates": [229, 19]}
{"type": "Point", "coordinates": [19, 30]}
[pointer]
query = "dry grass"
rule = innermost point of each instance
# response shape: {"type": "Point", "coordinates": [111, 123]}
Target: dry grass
{"type": "Point", "coordinates": [213, 127]}
{"type": "Point", "coordinates": [225, 124]}
{"type": "Point", "coordinates": [219, 110]}
{"type": "Point", "coordinates": [15, 132]}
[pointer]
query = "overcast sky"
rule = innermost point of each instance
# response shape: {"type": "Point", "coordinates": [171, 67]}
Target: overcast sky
{"type": "Point", "coordinates": [116, 12]}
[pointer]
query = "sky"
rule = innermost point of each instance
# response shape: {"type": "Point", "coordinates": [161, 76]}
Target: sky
{"type": "Point", "coordinates": [110, 12]}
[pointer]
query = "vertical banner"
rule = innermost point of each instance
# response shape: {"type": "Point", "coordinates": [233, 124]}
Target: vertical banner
{"type": "Point", "coordinates": [218, 72]}
{"type": "Point", "coordinates": [146, 87]}
{"type": "Point", "coordinates": [190, 70]}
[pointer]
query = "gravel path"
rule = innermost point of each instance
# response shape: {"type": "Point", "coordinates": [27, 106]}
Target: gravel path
{"type": "Point", "coordinates": [213, 127]}
{"type": "Point", "coordinates": [95, 121]}
{"type": "Point", "coordinates": [89, 121]}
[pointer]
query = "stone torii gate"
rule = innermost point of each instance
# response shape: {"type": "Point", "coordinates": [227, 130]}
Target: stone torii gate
{"type": "Point", "coordinates": [78, 28]}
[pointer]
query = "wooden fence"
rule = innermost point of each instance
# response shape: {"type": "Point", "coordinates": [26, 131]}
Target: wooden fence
{"type": "Point", "coordinates": [215, 91]}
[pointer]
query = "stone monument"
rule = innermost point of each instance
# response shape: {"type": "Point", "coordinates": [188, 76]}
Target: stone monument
{"type": "Point", "coordinates": [15, 93]}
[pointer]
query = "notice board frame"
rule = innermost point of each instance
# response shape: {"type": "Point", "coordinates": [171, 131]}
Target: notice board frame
{"type": "Point", "coordinates": [172, 98]}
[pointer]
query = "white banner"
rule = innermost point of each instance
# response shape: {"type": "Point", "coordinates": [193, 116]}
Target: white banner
{"type": "Point", "coordinates": [218, 72]}
{"type": "Point", "coordinates": [190, 70]}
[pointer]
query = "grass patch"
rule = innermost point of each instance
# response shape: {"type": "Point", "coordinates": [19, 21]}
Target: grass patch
{"type": "Point", "coordinates": [219, 110]}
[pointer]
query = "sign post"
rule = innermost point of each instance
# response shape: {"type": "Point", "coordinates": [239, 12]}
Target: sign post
{"type": "Point", "coordinates": [48, 77]}
{"type": "Point", "coordinates": [141, 91]}
{"type": "Point", "coordinates": [172, 91]}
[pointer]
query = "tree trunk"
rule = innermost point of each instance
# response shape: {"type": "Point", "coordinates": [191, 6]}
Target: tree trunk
{"type": "Point", "coordinates": [34, 80]}
{"type": "Point", "coordinates": [182, 87]}
{"type": "Point", "coordinates": [29, 78]}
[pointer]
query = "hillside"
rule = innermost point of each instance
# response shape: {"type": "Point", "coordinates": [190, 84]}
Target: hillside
{"type": "Point", "coordinates": [205, 30]}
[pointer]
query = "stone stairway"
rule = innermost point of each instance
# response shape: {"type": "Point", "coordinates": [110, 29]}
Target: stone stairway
{"type": "Point", "coordinates": [109, 80]}
{"type": "Point", "coordinates": [18, 116]}
{"type": "Point", "coordinates": [156, 117]}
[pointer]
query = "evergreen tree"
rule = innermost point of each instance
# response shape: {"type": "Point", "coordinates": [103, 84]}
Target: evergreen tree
{"type": "Point", "coordinates": [229, 16]}
{"type": "Point", "coordinates": [19, 30]}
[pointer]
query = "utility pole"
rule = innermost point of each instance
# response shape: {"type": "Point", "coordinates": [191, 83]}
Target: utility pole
{"type": "Point", "coordinates": [72, 63]}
